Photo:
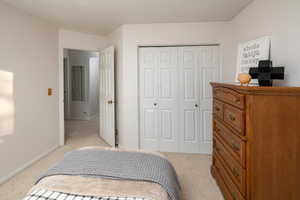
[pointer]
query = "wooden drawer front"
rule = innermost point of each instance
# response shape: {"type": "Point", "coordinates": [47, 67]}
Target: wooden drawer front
{"type": "Point", "coordinates": [233, 190]}
{"type": "Point", "coordinates": [226, 193]}
{"type": "Point", "coordinates": [230, 96]}
{"type": "Point", "coordinates": [235, 171]}
{"type": "Point", "coordinates": [218, 109]}
{"type": "Point", "coordinates": [235, 118]}
{"type": "Point", "coordinates": [236, 146]}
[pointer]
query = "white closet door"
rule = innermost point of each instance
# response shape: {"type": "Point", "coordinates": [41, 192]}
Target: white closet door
{"type": "Point", "coordinates": [199, 66]}
{"type": "Point", "coordinates": [176, 98]}
{"type": "Point", "coordinates": [209, 70]}
{"type": "Point", "coordinates": [159, 98]}
{"type": "Point", "coordinates": [189, 100]}
{"type": "Point", "coordinates": [148, 99]}
{"type": "Point", "coordinates": [167, 98]}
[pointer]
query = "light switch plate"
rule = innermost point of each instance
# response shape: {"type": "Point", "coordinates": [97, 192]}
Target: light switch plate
{"type": "Point", "coordinates": [49, 91]}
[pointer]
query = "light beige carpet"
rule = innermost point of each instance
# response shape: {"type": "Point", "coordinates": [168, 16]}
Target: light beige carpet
{"type": "Point", "coordinates": [193, 169]}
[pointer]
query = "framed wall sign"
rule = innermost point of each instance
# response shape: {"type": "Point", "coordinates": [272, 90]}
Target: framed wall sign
{"type": "Point", "coordinates": [251, 52]}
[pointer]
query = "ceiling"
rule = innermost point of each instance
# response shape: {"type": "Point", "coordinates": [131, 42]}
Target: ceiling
{"type": "Point", "coordinates": [103, 16]}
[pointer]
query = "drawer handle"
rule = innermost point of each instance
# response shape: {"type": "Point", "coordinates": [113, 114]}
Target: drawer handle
{"type": "Point", "coordinates": [235, 146]}
{"type": "Point", "coordinates": [235, 173]}
{"type": "Point", "coordinates": [217, 168]}
{"type": "Point", "coordinates": [217, 108]}
{"type": "Point", "coordinates": [237, 100]}
{"type": "Point", "coordinates": [231, 117]}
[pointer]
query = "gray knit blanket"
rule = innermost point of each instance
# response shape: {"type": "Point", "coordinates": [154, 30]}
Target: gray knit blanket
{"type": "Point", "coordinates": [136, 166]}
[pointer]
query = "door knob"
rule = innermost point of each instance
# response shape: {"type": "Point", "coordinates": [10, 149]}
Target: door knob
{"type": "Point", "coordinates": [196, 105]}
{"type": "Point", "coordinates": [155, 104]}
{"type": "Point", "coordinates": [110, 101]}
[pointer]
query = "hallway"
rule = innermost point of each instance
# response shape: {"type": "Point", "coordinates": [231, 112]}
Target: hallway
{"type": "Point", "coordinates": [78, 130]}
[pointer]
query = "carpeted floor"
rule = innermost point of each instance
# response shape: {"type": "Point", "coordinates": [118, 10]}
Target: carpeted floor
{"type": "Point", "coordinates": [192, 169]}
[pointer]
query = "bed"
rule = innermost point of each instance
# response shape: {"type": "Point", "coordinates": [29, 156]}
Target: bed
{"type": "Point", "coordinates": [80, 176]}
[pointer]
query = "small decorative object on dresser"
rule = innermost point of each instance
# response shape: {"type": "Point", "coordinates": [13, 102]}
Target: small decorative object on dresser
{"type": "Point", "coordinates": [244, 78]}
{"type": "Point", "coordinates": [265, 73]}
{"type": "Point", "coordinates": [256, 142]}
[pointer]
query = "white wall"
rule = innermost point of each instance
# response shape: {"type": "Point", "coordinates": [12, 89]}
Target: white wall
{"type": "Point", "coordinates": [81, 41]}
{"type": "Point", "coordinates": [28, 55]}
{"type": "Point", "coordinates": [279, 19]}
{"type": "Point", "coordinates": [129, 37]}
{"type": "Point", "coordinates": [74, 40]}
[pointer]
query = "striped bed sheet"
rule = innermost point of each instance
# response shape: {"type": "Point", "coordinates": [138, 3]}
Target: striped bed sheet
{"type": "Point", "coordinates": [41, 194]}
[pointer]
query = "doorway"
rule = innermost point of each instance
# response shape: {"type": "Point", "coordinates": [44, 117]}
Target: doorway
{"type": "Point", "coordinates": [81, 93]}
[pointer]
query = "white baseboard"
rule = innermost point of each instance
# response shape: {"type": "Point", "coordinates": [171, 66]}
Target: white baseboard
{"type": "Point", "coordinates": [26, 165]}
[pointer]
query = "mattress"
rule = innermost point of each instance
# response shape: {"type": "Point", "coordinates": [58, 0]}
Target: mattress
{"type": "Point", "coordinates": [64, 187]}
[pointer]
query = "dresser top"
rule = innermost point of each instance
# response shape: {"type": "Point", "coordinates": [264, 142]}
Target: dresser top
{"type": "Point", "coordinates": [255, 89]}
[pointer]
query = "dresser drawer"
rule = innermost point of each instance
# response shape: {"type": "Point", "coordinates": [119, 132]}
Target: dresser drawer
{"type": "Point", "coordinates": [230, 96]}
{"type": "Point", "coordinates": [233, 191]}
{"type": "Point", "coordinates": [235, 171]}
{"type": "Point", "coordinates": [235, 118]}
{"type": "Point", "coordinates": [225, 191]}
{"type": "Point", "coordinates": [236, 145]}
{"type": "Point", "coordinates": [218, 109]}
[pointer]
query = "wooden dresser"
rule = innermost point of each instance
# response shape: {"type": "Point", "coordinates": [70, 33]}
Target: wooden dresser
{"type": "Point", "coordinates": [256, 142]}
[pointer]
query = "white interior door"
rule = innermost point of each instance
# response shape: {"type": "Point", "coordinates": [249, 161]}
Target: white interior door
{"type": "Point", "coordinates": [189, 100]}
{"type": "Point", "coordinates": [159, 98]}
{"type": "Point", "coordinates": [107, 96]}
{"type": "Point", "coordinates": [209, 66]}
{"type": "Point", "coordinates": [176, 98]}
{"type": "Point", "coordinates": [148, 101]}
{"type": "Point", "coordinates": [199, 66]}
{"type": "Point", "coordinates": [167, 98]}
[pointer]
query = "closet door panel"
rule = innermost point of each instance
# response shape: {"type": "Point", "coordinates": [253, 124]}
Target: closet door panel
{"type": "Point", "coordinates": [148, 91]}
{"type": "Point", "coordinates": [168, 98]}
{"type": "Point", "coordinates": [208, 62]}
{"type": "Point", "coordinates": [150, 124]}
{"type": "Point", "coordinates": [189, 97]}
{"type": "Point", "coordinates": [190, 125]}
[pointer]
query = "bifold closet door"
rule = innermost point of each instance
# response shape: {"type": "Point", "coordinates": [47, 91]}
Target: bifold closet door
{"type": "Point", "coordinates": [159, 98]}
{"type": "Point", "coordinates": [176, 98]}
{"type": "Point", "coordinates": [199, 66]}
